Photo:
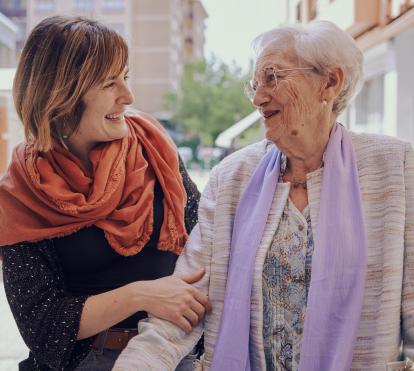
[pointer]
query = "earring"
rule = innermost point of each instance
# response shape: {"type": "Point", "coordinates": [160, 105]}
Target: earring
{"type": "Point", "coordinates": [324, 102]}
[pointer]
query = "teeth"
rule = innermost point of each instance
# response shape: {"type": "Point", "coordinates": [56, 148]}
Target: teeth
{"type": "Point", "coordinates": [115, 116]}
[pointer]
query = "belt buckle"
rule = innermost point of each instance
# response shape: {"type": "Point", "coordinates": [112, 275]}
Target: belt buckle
{"type": "Point", "coordinates": [125, 338]}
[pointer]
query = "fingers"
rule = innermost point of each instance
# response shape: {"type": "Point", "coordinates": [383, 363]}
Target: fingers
{"type": "Point", "coordinates": [199, 310]}
{"type": "Point", "coordinates": [184, 324]}
{"type": "Point", "coordinates": [203, 299]}
{"type": "Point", "coordinates": [189, 319]}
{"type": "Point", "coordinates": [194, 277]}
{"type": "Point", "coordinates": [192, 317]}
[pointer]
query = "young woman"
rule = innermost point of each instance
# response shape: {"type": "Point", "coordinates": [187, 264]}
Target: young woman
{"type": "Point", "coordinates": [95, 206]}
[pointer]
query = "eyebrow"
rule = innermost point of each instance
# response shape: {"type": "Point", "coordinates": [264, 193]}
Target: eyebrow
{"type": "Point", "coordinates": [114, 77]}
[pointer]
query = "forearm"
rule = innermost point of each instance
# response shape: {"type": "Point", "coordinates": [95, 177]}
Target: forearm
{"type": "Point", "coordinates": [160, 346]}
{"type": "Point", "coordinates": [170, 298]}
{"type": "Point", "coordinates": [102, 311]}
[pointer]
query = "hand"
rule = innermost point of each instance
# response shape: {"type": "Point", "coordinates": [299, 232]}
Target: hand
{"type": "Point", "coordinates": [174, 298]}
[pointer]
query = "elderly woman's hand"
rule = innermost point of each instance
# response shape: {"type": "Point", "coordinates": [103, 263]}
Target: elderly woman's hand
{"type": "Point", "coordinates": [173, 298]}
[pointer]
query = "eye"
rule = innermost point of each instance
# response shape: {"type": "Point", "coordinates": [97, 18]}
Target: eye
{"type": "Point", "coordinates": [269, 76]}
{"type": "Point", "coordinates": [109, 85]}
{"type": "Point", "coordinates": [253, 85]}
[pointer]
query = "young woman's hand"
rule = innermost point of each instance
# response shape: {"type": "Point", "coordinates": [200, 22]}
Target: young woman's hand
{"type": "Point", "coordinates": [174, 298]}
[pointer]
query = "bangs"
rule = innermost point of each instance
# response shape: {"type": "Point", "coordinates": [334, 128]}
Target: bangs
{"type": "Point", "coordinates": [114, 56]}
{"type": "Point", "coordinates": [106, 56]}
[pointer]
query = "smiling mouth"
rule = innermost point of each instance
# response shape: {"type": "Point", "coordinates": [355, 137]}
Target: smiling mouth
{"type": "Point", "coordinates": [269, 114]}
{"type": "Point", "coordinates": [115, 117]}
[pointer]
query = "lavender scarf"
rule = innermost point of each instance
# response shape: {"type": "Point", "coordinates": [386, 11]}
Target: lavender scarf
{"type": "Point", "coordinates": [338, 264]}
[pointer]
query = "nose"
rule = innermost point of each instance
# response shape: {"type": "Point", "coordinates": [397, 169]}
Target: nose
{"type": "Point", "coordinates": [126, 97]}
{"type": "Point", "coordinates": [261, 97]}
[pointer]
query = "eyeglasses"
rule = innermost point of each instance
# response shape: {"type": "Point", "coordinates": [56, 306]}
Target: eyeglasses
{"type": "Point", "coordinates": [267, 79]}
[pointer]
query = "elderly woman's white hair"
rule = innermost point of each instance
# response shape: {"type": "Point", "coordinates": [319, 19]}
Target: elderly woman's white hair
{"type": "Point", "coordinates": [322, 45]}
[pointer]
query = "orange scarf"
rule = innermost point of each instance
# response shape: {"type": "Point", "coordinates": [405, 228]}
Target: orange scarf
{"type": "Point", "coordinates": [47, 195]}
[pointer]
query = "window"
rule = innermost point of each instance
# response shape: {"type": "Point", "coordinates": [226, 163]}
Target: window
{"type": "Point", "coordinates": [13, 8]}
{"type": "Point", "coordinates": [369, 106]}
{"type": "Point", "coordinates": [44, 6]}
{"type": "Point", "coordinates": [314, 8]}
{"type": "Point", "coordinates": [299, 12]}
{"type": "Point", "coordinates": [115, 5]}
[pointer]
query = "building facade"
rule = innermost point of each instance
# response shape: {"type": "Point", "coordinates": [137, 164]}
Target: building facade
{"type": "Point", "coordinates": [8, 36]}
{"type": "Point", "coordinates": [162, 36]}
{"type": "Point", "coordinates": [9, 126]}
{"type": "Point", "coordinates": [384, 30]}
{"type": "Point", "coordinates": [15, 10]}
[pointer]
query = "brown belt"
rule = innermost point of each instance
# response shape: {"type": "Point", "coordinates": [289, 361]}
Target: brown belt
{"type": "Point", "coordinates": [114, 338]}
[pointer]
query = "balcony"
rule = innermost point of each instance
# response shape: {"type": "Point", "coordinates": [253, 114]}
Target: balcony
{"type": "Point", "coordinates": [354, 16]}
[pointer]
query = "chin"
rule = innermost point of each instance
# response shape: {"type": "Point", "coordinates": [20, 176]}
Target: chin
{"type": "Point", "coordinates": [120, 135]}
{"type": "Point", "coordinates": [271, 135]}
{"type": "Point", "coordinates": [119, 132]}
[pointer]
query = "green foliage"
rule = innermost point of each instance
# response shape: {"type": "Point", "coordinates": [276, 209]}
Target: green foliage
{"type": "Point", "coordinates": [211, 99]}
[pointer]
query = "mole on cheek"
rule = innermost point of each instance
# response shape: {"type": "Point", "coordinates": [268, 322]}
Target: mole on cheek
{"type": "Point", "coordinates": [294, 132]}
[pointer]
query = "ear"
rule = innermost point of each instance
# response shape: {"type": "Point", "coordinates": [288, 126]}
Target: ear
{"type": "Point", "coordinates": [333, 85]}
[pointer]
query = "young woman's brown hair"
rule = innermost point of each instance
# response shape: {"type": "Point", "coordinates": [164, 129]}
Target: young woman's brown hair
{"type": "Point", "coordinates": [62, 59]}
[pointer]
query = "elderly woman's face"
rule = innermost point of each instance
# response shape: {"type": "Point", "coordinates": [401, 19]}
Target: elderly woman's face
{"type": "Point", "coordinates": [290, 106]}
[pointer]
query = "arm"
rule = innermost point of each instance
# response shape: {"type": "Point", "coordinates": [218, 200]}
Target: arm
{"type": "Point", "coordinates": [408, 279]}
{"type": "Point", "coordinates": [168, 297]}
{"type": "Point", "coordinates": [160, 345]}
{"type": "Point", "coordinates": [193, 198]}
{"type": "Point", "coordinates": [52, 322]}
{"type": "Point", "coordinates": [47, 317]}
{"type": "Point", "coordinates": [123, 302]}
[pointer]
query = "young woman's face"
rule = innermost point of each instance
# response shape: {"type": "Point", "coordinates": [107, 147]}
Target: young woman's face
{"type": "Point", "coordinates": [103, 118]}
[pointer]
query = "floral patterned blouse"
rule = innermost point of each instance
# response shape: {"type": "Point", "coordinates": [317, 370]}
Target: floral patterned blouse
{"type": "Point", "coordinates": [286, 280]}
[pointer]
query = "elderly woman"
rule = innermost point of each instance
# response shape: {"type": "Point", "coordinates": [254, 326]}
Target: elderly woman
{"type": "Point", "coordinates": [308, 236]}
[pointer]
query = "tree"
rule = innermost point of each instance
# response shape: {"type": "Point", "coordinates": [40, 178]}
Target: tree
{"type": "Point", "coordinates": [210, 100]}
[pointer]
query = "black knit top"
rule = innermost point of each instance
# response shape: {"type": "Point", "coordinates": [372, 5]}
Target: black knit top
{"type": "Point", "coordinates": [48, 282]}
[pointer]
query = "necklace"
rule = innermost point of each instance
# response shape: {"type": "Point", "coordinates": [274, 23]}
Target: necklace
{"type": "Point", "coordinates": [299, 183]}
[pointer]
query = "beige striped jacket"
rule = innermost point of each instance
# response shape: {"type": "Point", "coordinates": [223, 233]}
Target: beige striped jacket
{"type": "Point", "coordinates": [386, 175]}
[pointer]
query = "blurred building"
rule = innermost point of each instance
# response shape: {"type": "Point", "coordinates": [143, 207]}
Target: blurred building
{"type": "Point", "coordinates": [8, 36]}
{"type": "Point", "coordinates": [384, 30]}
{"type": "Point", "coordinates": [15, 10]}
{"type": "Point", "coordinates": [162, 35]}
{"type": "Point", "coordinates": [9, 127]}
{"type": "Point", "coordinates": [193, 29]}
{"type": "Point", "coordinates": [11, 130]}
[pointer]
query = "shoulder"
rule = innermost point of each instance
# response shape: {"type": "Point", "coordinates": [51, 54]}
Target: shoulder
{"type": "Point", "coordinates": [246, 158]}
{"type": "Point", "coordinates": [381, 158]}
{"type": "Point", "coordinates": [376, 141]}
{"type": "Point", "coordinates": [378, 148]}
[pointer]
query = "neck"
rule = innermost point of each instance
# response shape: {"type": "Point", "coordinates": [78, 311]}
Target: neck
{"type": "Point", "coordinates": [81, 151]}
{"type": "Point", "coordinates": [306, 154]}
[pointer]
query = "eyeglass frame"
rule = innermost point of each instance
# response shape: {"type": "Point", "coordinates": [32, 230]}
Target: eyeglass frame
{"type": "Point", "coordinates": [250, 91]}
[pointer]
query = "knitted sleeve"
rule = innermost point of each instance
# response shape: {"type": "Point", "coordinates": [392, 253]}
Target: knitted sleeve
{"type": "Point", "coordinates": [46, 314]}
{"type": "Point", "coordinates": [193, 198]}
